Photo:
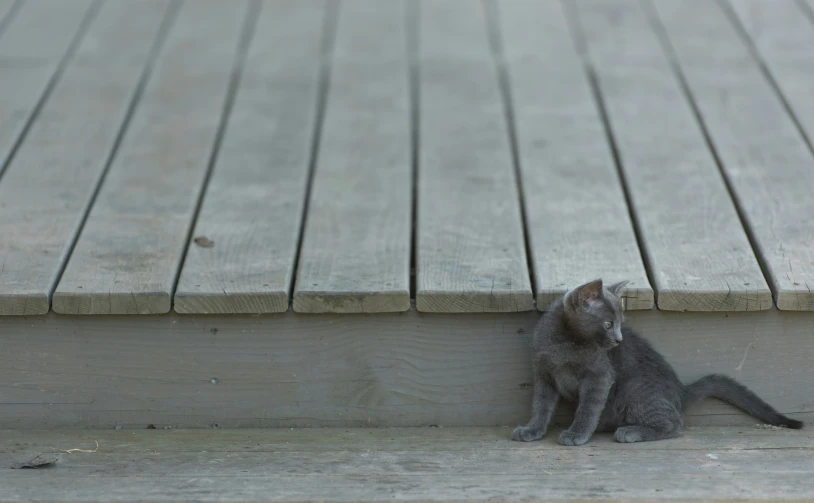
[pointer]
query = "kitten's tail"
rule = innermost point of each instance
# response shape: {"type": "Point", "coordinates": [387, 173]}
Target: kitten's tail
{"type": "Point", "coordinates": [732, 392]}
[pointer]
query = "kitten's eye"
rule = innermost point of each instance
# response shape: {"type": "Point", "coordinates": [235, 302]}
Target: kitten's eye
{"type": "Point", "coordinates": [608, 325]}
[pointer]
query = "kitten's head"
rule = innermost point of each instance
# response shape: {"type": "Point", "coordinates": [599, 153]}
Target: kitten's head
{"type": "Point", "coordinates": [595, 312]}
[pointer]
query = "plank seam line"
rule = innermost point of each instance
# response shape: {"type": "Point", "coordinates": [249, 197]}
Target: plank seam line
{"type": "Point", "coordinates": [155, 49]}
{"type": "Point", "coordinates": [576, 29]}
{"type": "Point", "coordinates": [67, 56]}
{"type": "Point", "coordinates": [660, 29]}
{"type": "Point", "coordinates": [246, 36]}
{"type": "Point", "coordinates": [764, 69]}
{"type": "Point", "coordinates": [329, 28]}
{"type": "Point", "coordinates": [412, 14]}
{"type": "Point", "coordinates": [499, 59]}
{"type": "Point", "coordinates": [10, 15]}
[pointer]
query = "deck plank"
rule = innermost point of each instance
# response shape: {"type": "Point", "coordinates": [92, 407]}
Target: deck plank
{"type": "Point", "coordinates": [355, 255]}
{"type": "Point", "coordinates": [254, 201]}
{"type": "Point", "coordinates": [783, 36]}
{"type": "Point", "coordinates": [53, 176]}
{"type": "Point", "coordinates": [764, 155]}
{"type": "Point", "coordinates": [28, 62]}
{"type": "Point", "coordinates": [486, 466]}
{"type": "Point", "coordinates": [698, 252]}
{"type": "Point", "coordinates": [577, 218]}
{"type": "Point", "coordinates": [129, 251]}
{"type": "Point", "coordinates": [471, 254]}
{"type": "Point", "coordinates": [355, 370]}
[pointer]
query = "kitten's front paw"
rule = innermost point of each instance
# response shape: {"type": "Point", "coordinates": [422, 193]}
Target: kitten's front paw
{"type": "Point", "coordinates": [628, 434]}
{"type": "Point", "coordinates": [569, 437]}
{"type": "Point", "coordinates": [526, 434]}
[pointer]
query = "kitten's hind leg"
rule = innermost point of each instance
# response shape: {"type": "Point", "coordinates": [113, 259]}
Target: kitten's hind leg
{"type": "Point", "coordinates": [661, 422]}
{"type": "Point", "coordinates": [542, 407]}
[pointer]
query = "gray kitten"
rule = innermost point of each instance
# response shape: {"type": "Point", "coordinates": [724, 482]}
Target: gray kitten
{"type": "Point", "coordinates": [616, 378]}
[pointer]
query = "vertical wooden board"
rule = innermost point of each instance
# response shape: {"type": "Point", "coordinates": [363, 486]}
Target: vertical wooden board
{"type": "Point", "coordinates": [355, 255]}
{"type": "Point", "coordinates": [129, 251]}
{"type": "Point", "coordinates": [697, 250]}
{"type": "Point", "coordinates": [764, 155]}
{"type": "Point", "coordinates": [577, 219]}
{"type": "Point", "coordinates": [46, 190]}
{"type": "Point", "coordinates": [28, 61]}
{"type": "Point", "coordinates": [471, 254]}
{"type": "Point", "coordinates": [254, 201]}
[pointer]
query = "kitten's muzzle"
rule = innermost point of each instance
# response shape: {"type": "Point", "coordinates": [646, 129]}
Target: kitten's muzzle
{"type": "Point", "coordinates": [617, 336]}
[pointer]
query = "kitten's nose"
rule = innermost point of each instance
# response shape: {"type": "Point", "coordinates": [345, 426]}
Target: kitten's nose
{"type": "Point", "coordinates": [618, 336]}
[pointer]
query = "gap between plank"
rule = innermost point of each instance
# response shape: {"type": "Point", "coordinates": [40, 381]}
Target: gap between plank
{"type": "Point", "coordinates": [412, 15]}
{"type": "Point", "coordinates": [89, 17]}
{"type": "Point", "coordinates": [152, 55]}
{"type": "Point", "coordinates": [329, 28]}
{"type": "Point", "coordinates": [576, 29]}
{"type": "Point", "coordinates": [652, 16]}
{"type": "Point", "coordinates": [249, 25]}
{"type": "Point", "coordinates": [499, 58]}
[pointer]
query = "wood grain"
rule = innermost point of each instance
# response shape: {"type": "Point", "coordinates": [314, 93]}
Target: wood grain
{"type": "Point", "coordinates": [697, 250]}
{"type": "Point", "coordinates": [28, 62]}
{"type": "Point", "coordinates": [577, 218]}
{"type": "Point", "coordinates": [471, 254]}
{"type": "Point", "coordinates": [47, 188]}
{"type": "Point", "coordinates": [349, 370]}
{"type": "Point", "coordinates": [355, 255]}
{"type": "Point", "coordinates": [459, 465]}
{"type": "Point", "coordinates": [254, 201]}
{"type": "Point", "coordinates": [764, 156]}
{"type": "Point", "coordinates": [129, 251]}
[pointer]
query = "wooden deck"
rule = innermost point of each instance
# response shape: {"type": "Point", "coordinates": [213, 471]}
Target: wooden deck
{"type": "Point", "coordinates": [425, 464]}
{"type": "Point", "coordinates": [259, 156]}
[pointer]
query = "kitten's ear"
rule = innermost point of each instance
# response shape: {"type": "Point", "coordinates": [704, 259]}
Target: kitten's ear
{"type": "Point", "coordinates": [590, 294]}
{"type": "Point", "coordinates": [617, 288]}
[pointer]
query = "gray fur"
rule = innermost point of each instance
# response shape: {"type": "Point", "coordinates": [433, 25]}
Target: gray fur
{"type": "Point", "coordinates": [618, 381]}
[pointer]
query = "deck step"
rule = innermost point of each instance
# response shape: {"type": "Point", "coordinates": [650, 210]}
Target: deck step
{"type": "Point", "coordinates": [414, 464]}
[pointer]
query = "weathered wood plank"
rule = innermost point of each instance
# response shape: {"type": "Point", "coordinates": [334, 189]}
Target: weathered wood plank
{"type": "Point", "coordinates": [254, 202]}
{"type": "Point", "coordinates": [471, 254]}
{"type": "Point", "coordinates": [28, 62]}
{"type": "Point", "coordinates": [129, 251]}
{"type": "Point", "coordinates": [318, 440]}
{"type": "Point", "coordinates": [697, 250]}
{"type": "Point", "coordinates": [159, 465]}
{"type": "Point", "coordinates": [47, 188]}
{"type": "Point", "coordinates": [355, 255]}
{"type": "Point", "coordinates": [764, 156]}
{"type": "Point", "coordinates": [576, 214]}
{"type": "Point", "coordinates": [399, 369]}
{"type": "Point", "coordinates": [782, 35]}
{"type": "Point", "coordinates": [521, 459]}
{"type": "Point", "coordinates": [730, 487]}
